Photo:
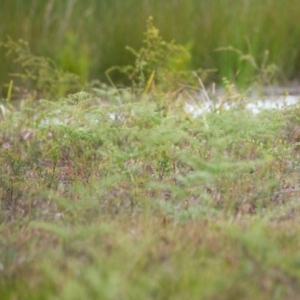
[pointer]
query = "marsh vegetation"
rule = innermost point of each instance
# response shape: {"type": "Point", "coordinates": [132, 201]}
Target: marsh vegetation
{"type": "Point", "coordinates": [114, 190]}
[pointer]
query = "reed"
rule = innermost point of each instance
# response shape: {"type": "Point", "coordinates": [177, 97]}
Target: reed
{"type": "Point", "coordinates": [89, 37]}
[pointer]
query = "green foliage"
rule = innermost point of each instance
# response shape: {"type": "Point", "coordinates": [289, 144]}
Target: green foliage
{"type": "Point", "coordinates": [253, 73]}
{"type": "Point", "coordinates": [122, 194]}
{"type": "Point", "coordinates": [158, 62]}
{"type": "Point", "coordinates": [100, 30]}
{"type": "Point", "coordinates": [74, 57]}
{"type": "Point", "coordinates": [87, 187]}
{"type": "Point", "coordinates": [40, 74]}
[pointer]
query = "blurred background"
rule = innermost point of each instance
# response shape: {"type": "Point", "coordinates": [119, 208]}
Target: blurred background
{"type": "Point", "coordinates": [87, 37]}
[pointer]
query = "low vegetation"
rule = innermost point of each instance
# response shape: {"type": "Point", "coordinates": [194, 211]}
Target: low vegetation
{"type": "Point", "coordinates": [120, 193]}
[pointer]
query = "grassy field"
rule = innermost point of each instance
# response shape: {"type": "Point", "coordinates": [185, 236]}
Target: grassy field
{"type": "Point", "coordinates": [88, 37]}
{"type": "Point", "coordinates": [135, 199]}
{"type": "Point", "coordinates": [119, 193]}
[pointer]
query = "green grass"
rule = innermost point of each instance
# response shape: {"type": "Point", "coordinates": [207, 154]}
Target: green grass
{"type": "Point", "coordinates": [138, 200]}
{"type": "Point", "coordinates": [150, 204]}
{"type": "Point", "coordinates": [89, 37]}
{"type": "Point", "coordinates": [119, 193]}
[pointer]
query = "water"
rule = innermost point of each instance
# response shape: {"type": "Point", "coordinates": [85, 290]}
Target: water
{"type": "Point", "coordinates": [204, 103]}
{"type": "Point", "coordinates": [278, 99]}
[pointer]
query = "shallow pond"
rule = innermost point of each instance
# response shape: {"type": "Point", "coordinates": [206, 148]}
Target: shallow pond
{"type": "Point", "coordinates": [276, 98]}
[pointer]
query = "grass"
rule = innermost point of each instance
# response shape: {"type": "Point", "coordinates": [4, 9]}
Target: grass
{"type": "Point", "coordinates": [132, 201]}
{"type": "Point", "coordinates": [119, 193]}
{"type": "Point", "coordinates": [89, 37]}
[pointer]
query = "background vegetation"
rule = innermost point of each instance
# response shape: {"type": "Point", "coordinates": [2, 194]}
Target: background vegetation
{"type": "Point", "coordinates": [88, 37]}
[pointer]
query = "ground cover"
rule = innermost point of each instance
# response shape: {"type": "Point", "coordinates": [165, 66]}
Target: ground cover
{"type": "Point", "coordinates": [120, 193]}
{"type": "Point", "coordinates": [140, 200]}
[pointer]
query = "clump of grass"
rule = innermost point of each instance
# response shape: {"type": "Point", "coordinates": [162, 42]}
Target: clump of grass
{"type": "Point", "coordinates": [257, 74]}
{"type": "Point", "coordinates": [39, 74]}
{"type": "Point", "coordinates": [157, 63]}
